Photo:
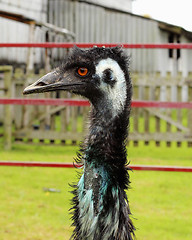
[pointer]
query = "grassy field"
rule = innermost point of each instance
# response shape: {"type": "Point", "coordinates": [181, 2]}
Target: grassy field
{"type": "Point", "coordinates": [160, 201]}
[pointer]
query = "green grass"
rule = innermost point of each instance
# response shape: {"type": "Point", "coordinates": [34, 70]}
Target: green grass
{"type": "Point", "coordinates": [173, 114]}
{"type": "Point", "coordinates": [181, 156]}
{"type": "Point", "coordinates": [160, 201]}
{"type": "Point", "coordinates": [26, 211]}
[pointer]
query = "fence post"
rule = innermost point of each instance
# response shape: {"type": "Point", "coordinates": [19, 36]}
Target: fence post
{"type": "Point", "coordinates": [7, 123]}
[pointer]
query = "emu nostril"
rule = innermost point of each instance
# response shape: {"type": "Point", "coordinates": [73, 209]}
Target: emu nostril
{"type": "Point", "coordinates": [40, 84]}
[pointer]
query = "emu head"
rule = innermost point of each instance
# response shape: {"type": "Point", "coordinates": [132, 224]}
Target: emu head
{"type": "Point", "coordinates": [99, 74]}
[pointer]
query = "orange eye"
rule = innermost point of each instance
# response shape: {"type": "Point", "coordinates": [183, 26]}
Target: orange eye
{"type": "Point", "coordinates": [82, 71]}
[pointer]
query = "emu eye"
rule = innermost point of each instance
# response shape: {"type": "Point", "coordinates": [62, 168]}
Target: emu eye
{"type": "Point", "coordinates": [82, 71]}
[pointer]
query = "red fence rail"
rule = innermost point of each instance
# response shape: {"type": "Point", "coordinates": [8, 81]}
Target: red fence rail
{"type": "Point", "coordinates": [77, 102]}
{"type": "Point", "coordinates": [71, 165]}
{"type": "Point", "coordinates": [89, 45]}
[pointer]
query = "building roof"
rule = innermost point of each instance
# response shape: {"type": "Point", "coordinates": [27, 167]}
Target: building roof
{"type": "Point", "coordinates": [27, 20]}
{"type": "Point", "coordinates": [125, 7]}
{"type": "Point", "coordinates": [122, 5]}
{"type": "Point", "coordinates": [175, 29]}
{"type": "Point", "coordinates": [162, 25]}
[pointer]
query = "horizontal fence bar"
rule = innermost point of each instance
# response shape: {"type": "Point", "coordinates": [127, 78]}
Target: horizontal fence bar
{"type": "Point", "coordinates": [71, 165]}
{"type": "Point", "coordinates": [89, 45]}
{"type": "Point", "coordinates": [161, 168]}
{"type": "Point", "coordinates": [36, 164]}
{"type": "Point", "coordinates": [157, 104]}
{"type": "Point", "coordinates": [78, 102]}
{"type": "Point", "coordinates": [45, 101]}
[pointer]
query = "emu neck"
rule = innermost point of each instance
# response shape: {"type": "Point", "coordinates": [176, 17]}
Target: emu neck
{"type": "Point", "coordinates": [105, 154]}
{"type": "Point", "coordinates": [107, 138]}
{"type": "Point", "coordinates": [102, 210]}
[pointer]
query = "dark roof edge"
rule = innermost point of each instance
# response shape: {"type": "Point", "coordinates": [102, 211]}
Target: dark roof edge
{"type": "Point", "coordinates": [174, 29]}
{"type": "Point", "coordinates": [24, 19]}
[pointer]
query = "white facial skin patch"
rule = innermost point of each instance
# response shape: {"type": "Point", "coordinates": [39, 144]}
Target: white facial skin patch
{"type": "Point", "coordinates": [117, 94]}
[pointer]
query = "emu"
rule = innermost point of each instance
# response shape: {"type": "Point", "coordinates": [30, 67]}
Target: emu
{"type": "Point", "coordinates": [100, 204]}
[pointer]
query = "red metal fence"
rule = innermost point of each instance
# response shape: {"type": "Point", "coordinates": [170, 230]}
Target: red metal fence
{"type": "Point", "coordinates": [76, 102]}
{"type": "Point", "coordinates": [71, 165]}
{"type": "Point", "coordinates": [72, 102]}
{"type": "Point", "coordinates": [89, 45]}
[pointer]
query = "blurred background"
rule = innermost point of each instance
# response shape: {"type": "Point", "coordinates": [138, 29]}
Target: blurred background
{"type": "Point", "coordinates": [160, 201]}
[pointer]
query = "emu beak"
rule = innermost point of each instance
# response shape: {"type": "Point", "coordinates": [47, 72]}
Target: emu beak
{"type": "Point", "coordinates": [53, 81]}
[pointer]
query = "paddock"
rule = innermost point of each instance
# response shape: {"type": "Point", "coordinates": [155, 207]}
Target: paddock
{"type": "Point", "coordinates": [30, 196]}
{"type": "Point", "coordinates": [164, 190]}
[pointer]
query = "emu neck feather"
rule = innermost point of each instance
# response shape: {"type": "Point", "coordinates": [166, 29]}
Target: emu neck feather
{"type": "Point", "coordinates": [103, 210]}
